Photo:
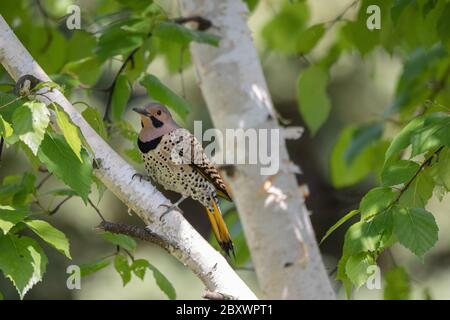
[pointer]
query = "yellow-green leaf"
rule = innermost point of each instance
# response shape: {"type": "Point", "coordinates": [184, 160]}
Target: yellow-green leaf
{"type": "Point", "coordinates": [69, 130]}
{"type": "Point", "coordinates": [312, 97]}
{"type": "Point", "coordinates": [22, 261]}
{"type": "Point", "coordinates": [51, 235]}
{"type": "Point", "coordinates": [340, 222]}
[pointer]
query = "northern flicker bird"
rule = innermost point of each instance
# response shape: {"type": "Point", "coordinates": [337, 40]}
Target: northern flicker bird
{"type": "Point", "coordinates": [175, 159]}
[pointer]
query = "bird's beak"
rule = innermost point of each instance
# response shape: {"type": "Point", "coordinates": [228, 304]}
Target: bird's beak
{"type": "Point", "coordinates": [141, 111]}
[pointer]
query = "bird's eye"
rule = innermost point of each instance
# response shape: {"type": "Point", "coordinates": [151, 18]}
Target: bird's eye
{"type": "Point", "coordinates": [158, 113]}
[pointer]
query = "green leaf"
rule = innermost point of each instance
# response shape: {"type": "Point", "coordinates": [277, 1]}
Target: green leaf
{"type": "Point", "coordinates": [57, 155]}
{"type": "Point", "coordinates": [397, 285]}
{"type": "Point", "coordinates": [375, 201]}
{"type": "Point", "coordinates": [22, 120]}
{"type": "Point", "coordinates": [342, 174]}
{"type": "Point", "coordinates": [310, 37]}
{"type": "Point", "coordinates": [403, 139]}
{"type": "Point", "coordinates": [314, 104]}
{"type": "Point", "coordinates": [6, 130]}
{"type": "Point", "coordinates": [415, 229]}
{"type": "Point", "coordinates": [30, 122]}
{"type": "Point", "coordinates": [121, 94]}
{"type": "Point", "coordinates": [363, 137]}
{"type": "Point", "coordinates": [80, 45]}
{"type": "Point", "coordinates": [176, 56]}
{"type": "Point", "coordinates": [398, 7]}
{"type": "Point", "coordinates": [381, 227]}
{"type": "Point", "coordinates": [283, 33]}
{"type": "Point", "coordinates": [10, 216]}
{"type": "Point", "coordinates": [358, 35]}
{"type": "Point", "coordinates": [443, 26]}
{"type": "Point", "coordinates": [419, 191]}
{"type": "Point", "coordinates": [359, 238]}
{"type": "Point", "coordinates": [158, 91]}
{"type": "Point", "coordinates": [9, 103]}
{"type": "Point", "coordinates": [122, 267]}
{"type": "Point", "coordinates": [428, 6]}
{"type": "Point", "coordinates": [67, 82]}
{"type": "Point", "coordinates": [163, 283]}
{"type": "Point", "coordinates": [139, 267]}
{"type": "Point", "coordinates": [343, 277]}
{"type": "Point", "coordinates": [69, 130]}
{"type": "Point", "coordinates": [136, 5]}
{"type": "Point", "coordinates": [95, 120]}
{"type": "Point", "coordinates": [251, 4]}
{"type": "Point", "coordinates": [86, 70]}
{"type": "Point", "coordinates": [118, 41]}
{"type": "Point", "coordinates": [175, 32]}
{"type": "Point", "coordinates": [47, 45]}
{"type": "Point", "coordinates": [121, 240]}
{"type": "Point", "coordinates": [17, 190]}
{"type": "Point", "coordinates": [142, 59]}
{"type": "Point", "coordinates": [435, 133]}
{"type": "Point", "coordinates": [440, 171]}
{"type": "Point", "coordinates": [340, 222]}
{"type": "Point", "coordinates": [90, 268]}
{"type": "Point", "coordinates": [399, 172]}
{"type": "Point", "coordinates": [357, 267]}
{"type": "Point", "coordinates": [51, 235]}
{"type": "Point", "coordinates": [22, 261]}
{"type": "Point", "coordinates": [417, 69]}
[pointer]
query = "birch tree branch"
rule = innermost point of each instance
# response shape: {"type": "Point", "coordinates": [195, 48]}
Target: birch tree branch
{"type": "Point", "coordinates": [184, 242]}
{"type": "Point", "coordinates": [275, 219]}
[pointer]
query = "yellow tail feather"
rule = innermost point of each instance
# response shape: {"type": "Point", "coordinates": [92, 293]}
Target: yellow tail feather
{"type": "Point", "coordinates": [220, 229]}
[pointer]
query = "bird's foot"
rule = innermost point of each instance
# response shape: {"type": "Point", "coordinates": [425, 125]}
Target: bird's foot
{"type": "Point", "coordinates": [141, 176]}
{"type": "Point", "coordinates": [169, 208]}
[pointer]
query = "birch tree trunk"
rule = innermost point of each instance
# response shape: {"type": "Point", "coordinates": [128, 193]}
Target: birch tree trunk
{"type": "Point", "coordinates": [180, 239]}
{"type": "Point", "coordinates": [272, 210]}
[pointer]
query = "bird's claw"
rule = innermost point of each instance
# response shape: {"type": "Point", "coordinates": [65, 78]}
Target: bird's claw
{"type": "Point", "coordinates": [141, 176]}
{"type": "Point", "coordinates": [169, 208]}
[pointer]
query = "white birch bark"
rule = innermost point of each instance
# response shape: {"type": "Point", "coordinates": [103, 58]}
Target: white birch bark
{"type": "Point", "coordinates": [182, 241]}
{"type": "Point", "coordinates": [275, 219]}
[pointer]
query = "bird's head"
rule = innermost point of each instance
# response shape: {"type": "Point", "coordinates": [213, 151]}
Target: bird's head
{"type": "Point", "coordinates": [156, 121]}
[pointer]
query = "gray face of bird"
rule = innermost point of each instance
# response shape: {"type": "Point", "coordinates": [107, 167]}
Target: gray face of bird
{"type": "Point", "coordinates": [156, 121]}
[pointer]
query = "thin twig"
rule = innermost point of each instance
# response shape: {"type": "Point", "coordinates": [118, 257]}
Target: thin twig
{"type": "Point", "coordinates": [55, 210]}
{"type": "Point", "coordinates": [132, 231]}
{"type": "Point", "coordinates": [439, 86]}
{"type": "Point", "coordinates": [113, 84]}
{"type": "Point", "coordinates": [339, 17]}
{"type": "Point", "coordinates": [405, 187]}
{"type": "Point", "coordinates": [180, 72]}
{"type": "Point", "coordinates": [129, 254]}
{"type": "Point", "coordinates": [1, 148]}
{"type": "Point", "coordinates": [96, 210]}
{"type": "Point", "coordinates": [426, 163]}
{"type": "Point", "coordinates": [44, 180]}
{"type": "Point", "coordinates": [10, 102]}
